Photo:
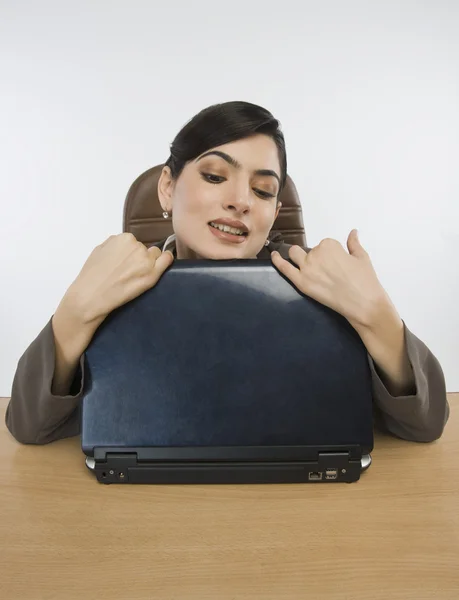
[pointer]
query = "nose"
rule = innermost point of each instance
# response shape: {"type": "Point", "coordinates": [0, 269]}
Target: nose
{"type": "Point", "coordinates": [239, 202]}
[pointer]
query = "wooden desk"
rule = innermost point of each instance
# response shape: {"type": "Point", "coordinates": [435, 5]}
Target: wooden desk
{"type": "Point", "coordinates": [394, 535]}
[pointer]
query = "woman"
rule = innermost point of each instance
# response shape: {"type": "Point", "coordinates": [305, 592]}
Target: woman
{"type": "Point", "coordinates": [221, 185]}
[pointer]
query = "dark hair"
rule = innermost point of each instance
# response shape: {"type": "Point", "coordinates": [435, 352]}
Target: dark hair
{"type": "Point", "coordinates": [220, 124]}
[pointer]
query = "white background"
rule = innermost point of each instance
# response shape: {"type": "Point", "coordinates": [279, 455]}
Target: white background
{"type": "Point", "coordinates": [92, 94]}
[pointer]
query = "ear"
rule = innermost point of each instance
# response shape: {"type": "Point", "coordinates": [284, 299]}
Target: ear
{"type": "Point", "coordinates": [166, 189]}
{"type": "Point", "coordinates": [279, 205]}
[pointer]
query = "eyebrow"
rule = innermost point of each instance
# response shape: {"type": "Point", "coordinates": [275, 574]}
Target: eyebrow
{"type": "Point", "coordinates": [236, 164]}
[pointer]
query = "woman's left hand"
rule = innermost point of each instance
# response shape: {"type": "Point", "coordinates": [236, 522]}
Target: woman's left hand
{"type": "Point", "coordinates": [345, 282]}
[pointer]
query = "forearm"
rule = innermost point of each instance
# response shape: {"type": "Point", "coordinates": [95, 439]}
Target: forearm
{"type": "Point", "coordinates": [383, 335]}
{"type": "Point", "coordinates": [71, 336]}
{"type": "Point", "coordinates": [34, 414]}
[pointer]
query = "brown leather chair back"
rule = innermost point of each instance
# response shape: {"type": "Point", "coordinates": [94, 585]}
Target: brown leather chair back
{"type": "Point", "coordinates": [143, 215]}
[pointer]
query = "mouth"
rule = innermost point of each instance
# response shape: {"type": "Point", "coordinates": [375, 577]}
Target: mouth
{"type": "Point", "coordinates": [235, 235]}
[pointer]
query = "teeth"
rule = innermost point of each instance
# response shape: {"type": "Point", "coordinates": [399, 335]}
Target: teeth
{"type": "Point", "coordinates": [227, 229]}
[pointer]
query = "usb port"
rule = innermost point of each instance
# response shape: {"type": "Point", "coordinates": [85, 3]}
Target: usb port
{"type": "Point", "coordinates": [315, 475]}
{"type": "Point", "coordinates": [331, 474]}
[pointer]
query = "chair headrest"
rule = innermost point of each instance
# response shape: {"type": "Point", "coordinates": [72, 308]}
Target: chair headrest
{"type": "Point", "coordinates": [143, 215]}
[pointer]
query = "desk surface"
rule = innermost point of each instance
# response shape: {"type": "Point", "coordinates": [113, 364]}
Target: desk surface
{"type": "Point", "coordinates": [394, 534]}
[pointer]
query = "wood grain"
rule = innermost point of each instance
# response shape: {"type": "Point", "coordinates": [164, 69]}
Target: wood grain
{"type": "Point", "coordinates": [393, 535]}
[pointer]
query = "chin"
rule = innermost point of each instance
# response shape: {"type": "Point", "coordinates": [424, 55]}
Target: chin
{"type": "Point", "coordinates": [225, 253]}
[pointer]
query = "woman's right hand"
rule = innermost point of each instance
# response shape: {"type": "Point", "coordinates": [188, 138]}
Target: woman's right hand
{"type": "Point", "coordinates": [117, 271]}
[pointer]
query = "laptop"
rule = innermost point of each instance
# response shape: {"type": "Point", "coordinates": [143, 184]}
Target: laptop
{"type": "Point", "coordinates": [225, 373]}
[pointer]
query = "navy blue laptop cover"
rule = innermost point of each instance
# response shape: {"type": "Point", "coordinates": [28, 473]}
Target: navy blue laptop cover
{"type": "Point", "coordinates": [226, 354]}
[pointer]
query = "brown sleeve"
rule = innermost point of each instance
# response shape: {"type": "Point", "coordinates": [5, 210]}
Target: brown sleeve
{"type": "Point", "coordinates": [421, 417]}
{"type": "Point", "coordinates": [34, 415]}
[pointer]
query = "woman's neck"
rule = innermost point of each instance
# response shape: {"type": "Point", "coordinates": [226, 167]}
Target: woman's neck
{"type": "Point", "coordinates": [185, 253]}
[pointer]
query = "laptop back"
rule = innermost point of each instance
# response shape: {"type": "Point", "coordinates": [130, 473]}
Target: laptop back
{"type": "Point", "coordinates": [226, 360]}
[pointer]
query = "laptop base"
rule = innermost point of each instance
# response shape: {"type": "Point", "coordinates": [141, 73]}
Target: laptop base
{"type": "Point", "coordinates": [330, 468]}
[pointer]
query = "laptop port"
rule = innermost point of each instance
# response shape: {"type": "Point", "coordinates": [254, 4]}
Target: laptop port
{"type": "Point", "coordinates": [331, 474]}
{"type": "Point", "coordinates": [315, 475]}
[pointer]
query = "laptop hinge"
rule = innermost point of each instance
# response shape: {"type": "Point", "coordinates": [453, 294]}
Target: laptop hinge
{"type": "Point", "coordinates": [128, 459]}
{"type": "Point", "coordinates": [339, 460]}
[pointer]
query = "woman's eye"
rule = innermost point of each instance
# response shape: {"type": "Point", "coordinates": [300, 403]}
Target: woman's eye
{"type": "Point", "coordinates": [263, 194]}
{"type": "Point", "coordinates": [210, 177]}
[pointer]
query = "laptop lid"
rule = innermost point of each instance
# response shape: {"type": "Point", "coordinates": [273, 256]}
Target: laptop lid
{"type": "Point", "coordinates": [226, 359]}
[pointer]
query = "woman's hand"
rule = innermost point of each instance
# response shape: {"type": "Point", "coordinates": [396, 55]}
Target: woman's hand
{"type": "Point", "coordinates": [117, 271]}
{"type": "Point", "coordinates": [345, 282]}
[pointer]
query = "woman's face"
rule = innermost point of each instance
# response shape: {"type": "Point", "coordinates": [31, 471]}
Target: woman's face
{"type": "Point", "coordinates": [235, 185]}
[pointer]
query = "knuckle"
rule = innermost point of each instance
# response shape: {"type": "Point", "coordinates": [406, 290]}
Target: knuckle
{"type": "Point", "coordinates": [154, 251]}
{"type": "Point", "coordinates": [128, 238]}
{"type": "Point", "coordinates": [140, 248]}
{"type": "Point", "coordinates": [328, 243]}
{"type": "Point", "coordinates": [105, 242]}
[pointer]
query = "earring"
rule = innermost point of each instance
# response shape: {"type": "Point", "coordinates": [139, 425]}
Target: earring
{"type": "Point", "coordinates": [267, 243]}
{"type": "Point", "coordinates": [165, 215]}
